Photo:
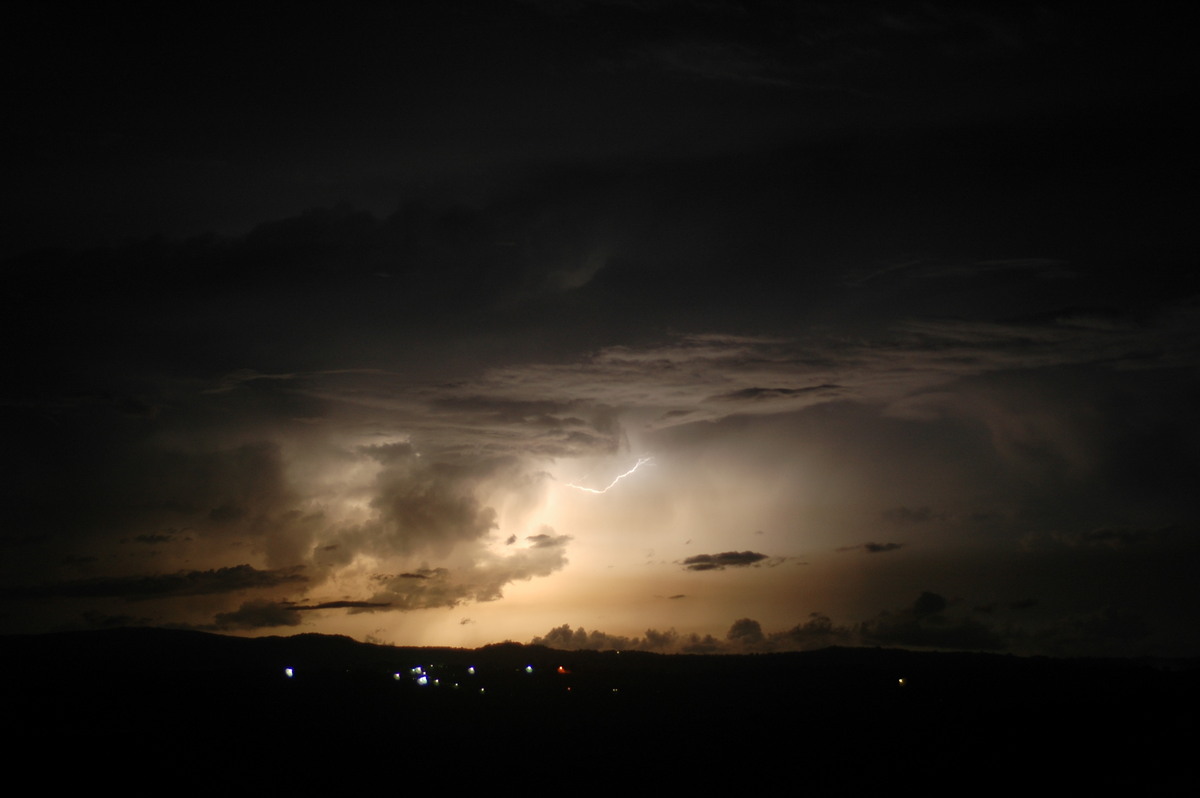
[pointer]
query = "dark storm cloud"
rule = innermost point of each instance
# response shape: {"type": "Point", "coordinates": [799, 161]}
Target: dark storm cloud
{"type": "Point", "coordinates": [790, 71]}
{"type": "Point", "coordinates": [340, 605]}
{"type": "Point", "coordinates": [481, 578]}
{"type": "Point", "coordinates": [546, 540]}
{"type": "Point", "coordinates": [744, 635]}
{"type": "Point", "coordinates": [184, 583]}
{"type": "Point", "coordinates": [236, 379]}
{"type": "Point", "coordinates": [732, 559]}
{"type": "Point", "coordinates": [908, 367]}
{"type": "Point", "coordinates": [664, 642]}
{"type": "Point", "coordinates": [745, 632]}
{"type": "Point", "coordinates": [266, 613]}
{"type": "Point", "coordinates": [427, 574]}
{"type": "Point", "coordinates": [429, 510]}
{"type": "Point", "coordinates": [767, 394]}
{"type": "Point", "coordinates": [556, 429]}
{"type": "Point", "coordinates": [154, 538]}
{"type": "Point", "coordinates": [422, 509]}
{"type": "Point", "coordinates": [831, 49]}
{"type": "Point", "coordinates": [258, 614]}
{"type": "Point", "coordinates": [1107, 632]}
{"type": "Point", "coordinates": [95, 479]}
{"type": "Point", "coordinates": [1173, 537]}
{"type": "Point", "coordinates": [563, 637]}
{"type": "Point", "coordinates": [447, 265]}
{"type": "Point", "coordinates": [921, 625]}
{"type": "Point", "coordinates": [925, 625]}
{"type": "Point", "coordinates": [817, 632]}
{"type": "Point", "coordinates": [224, 491]}
{"type": "Point", "coordinates": [1116, 624]}
{"type": "Point", "coordinates": [968, 223]}
{"type": "Point", "coordinates": [105, 621]}
{"type": "Point", "coordinates": [424, 506]}
{"type": "Point", "coordinates": [556, 409]}
{"type": "Point", "coordinates": [928, 604]}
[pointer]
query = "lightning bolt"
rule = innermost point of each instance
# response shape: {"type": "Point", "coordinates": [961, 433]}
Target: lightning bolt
{"type": "Point", "coordinates": [641, 462]}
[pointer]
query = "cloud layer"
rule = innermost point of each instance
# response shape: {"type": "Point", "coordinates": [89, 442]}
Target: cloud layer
{"type": "Point", "coordinates": [561, 309]}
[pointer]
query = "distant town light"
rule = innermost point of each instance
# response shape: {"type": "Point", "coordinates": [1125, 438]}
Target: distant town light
{"type": "Point", "coordinates": [529, 669]}
{"type": "Point", "coordinates": [423, 680]}
{"type": "Point", "coordinates": [901, 680]}
{"type": "Point", "coordinates": [396, 676]}
{"type": "Point", "coordinates": [471, 669]}
{"type": "Point", "coordinates": [288, 672]}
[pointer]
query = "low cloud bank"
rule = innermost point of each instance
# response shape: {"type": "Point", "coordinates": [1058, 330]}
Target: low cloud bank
{"type": "Point", "coordinates": [930, 622]}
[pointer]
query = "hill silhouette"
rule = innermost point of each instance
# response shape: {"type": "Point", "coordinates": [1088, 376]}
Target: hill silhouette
{"type": "Point", "coordinates": [164, 702]}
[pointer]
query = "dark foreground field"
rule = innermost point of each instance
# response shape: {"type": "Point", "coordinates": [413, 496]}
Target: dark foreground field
{"type": "Point", "coordinates": [192, 712]}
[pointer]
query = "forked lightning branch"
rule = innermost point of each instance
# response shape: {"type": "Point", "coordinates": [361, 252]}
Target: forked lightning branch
{"type": "Point", "coordinates": [641, 462]}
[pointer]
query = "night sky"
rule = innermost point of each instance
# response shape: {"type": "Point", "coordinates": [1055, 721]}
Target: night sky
{"type": "Point", "coordinates": [687, 326]}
